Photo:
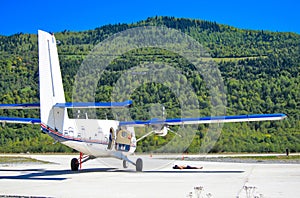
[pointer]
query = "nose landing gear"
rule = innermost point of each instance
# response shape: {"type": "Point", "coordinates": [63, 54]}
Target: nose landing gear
{"type": "Point", "coordinates": [138, 165]}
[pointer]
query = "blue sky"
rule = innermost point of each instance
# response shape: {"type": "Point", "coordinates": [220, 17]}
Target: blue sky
{"type": "Point", "coordinates": [58, 15]}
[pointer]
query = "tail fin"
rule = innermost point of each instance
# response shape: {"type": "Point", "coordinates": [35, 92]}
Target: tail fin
{"type": "Point", "coordinates": [51, 87]}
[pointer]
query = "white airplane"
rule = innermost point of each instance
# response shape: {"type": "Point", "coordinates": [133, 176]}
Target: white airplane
{"type": "Point", "coordinates": [112, 138]}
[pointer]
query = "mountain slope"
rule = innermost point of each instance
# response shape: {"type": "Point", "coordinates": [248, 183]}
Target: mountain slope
{"type": "Point", "coordinates": [260, 70]}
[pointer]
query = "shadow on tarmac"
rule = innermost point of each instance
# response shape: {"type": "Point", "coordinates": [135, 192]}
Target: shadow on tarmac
{"type": "Point", "coordinates": [42, 174]}
{"type": "Point", "coordinates": [188, 171]}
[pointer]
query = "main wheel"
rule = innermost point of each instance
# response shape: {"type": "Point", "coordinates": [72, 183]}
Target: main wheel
{"type": "Point", "coordinates": [74, 164]}
{"type": "Point", "coordinates": [139, 165]}
{"type": "Point", "coordinates": [125, 164]}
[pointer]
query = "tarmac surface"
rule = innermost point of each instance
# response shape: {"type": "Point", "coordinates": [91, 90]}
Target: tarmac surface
{"type": "Point", "coordinates": [106, 177]}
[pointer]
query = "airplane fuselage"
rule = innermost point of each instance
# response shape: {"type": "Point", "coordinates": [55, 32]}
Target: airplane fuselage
{"type": "Point", "coordinates": [96, 138]}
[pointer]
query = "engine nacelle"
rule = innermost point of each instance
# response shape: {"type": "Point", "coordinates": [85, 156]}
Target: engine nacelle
{"type": "Point", "coordinates": [162, 132]}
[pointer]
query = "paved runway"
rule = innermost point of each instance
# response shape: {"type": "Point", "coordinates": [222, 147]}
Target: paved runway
{"type": "Point", "coordinates": [107, 178]}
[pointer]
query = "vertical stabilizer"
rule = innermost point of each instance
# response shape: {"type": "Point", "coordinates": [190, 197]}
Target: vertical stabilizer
{"type": "Point", "coordinates": [51, 87]}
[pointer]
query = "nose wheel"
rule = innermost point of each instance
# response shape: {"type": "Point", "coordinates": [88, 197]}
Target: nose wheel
{"type": "Point", "coordinates": [139, 165]}
{"type": "Point", "coordinates": [125, 164]}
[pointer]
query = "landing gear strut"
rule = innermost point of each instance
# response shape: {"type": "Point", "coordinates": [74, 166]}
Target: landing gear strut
{"type": "Point", "coordinates": [138, 165]}
{"type": "Point", "coordinates": [76, 163]}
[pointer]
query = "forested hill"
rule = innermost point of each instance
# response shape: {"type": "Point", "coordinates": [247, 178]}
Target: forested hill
{"type": "Point", "coordinates": [260, 70]}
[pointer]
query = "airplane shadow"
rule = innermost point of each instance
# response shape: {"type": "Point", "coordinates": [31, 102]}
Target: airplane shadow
{"type": "Point", "coordinates": [42, 174]}
{"type": "Point", "coordinates": [193, 171]}
{"type": "Point", "coordinates": [184, 171]}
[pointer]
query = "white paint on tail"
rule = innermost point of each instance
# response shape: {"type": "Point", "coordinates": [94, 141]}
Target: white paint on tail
{"type": "Point", "coordinates": [51, 87]}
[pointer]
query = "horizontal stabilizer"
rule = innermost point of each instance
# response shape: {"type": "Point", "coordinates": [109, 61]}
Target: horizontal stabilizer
{"type": "Point", "coordinates": [205, 120]}
{"type": "Point", "coordinates": [20, 106]}
{"type": "Point", "coordinates": [127, 103]}
{"type": "Point", "coordinates": [20, 120]}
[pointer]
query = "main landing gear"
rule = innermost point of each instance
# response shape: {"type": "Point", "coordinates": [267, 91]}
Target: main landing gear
{"type": "Point", "coordinates": [76, 163]}
{"type": "Point", "coordinates": [138, 165]}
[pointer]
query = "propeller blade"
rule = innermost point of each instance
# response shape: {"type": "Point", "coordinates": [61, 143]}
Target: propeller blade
{"type": "Point", "coordinates": [174, 132]}
{"type": "Point", "coordinates": [144, 136]}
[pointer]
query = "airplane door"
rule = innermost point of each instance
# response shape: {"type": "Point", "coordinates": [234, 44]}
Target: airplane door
{"type": "Point", "coordinates": [112, 137]}
{"type": "Point", "coordinates": [123, 140]}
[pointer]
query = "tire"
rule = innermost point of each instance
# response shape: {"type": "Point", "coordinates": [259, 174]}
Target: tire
{"type": "Point", "coordinates": [125, 164]}
{"type": "Point", "coordinates": [74, 164]}
{"type": "Point", "coordinates": [139, 165]}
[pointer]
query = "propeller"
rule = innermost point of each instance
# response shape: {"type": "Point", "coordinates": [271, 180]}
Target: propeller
{"type": "Point", "coordinates": [144, 136]}
{"type": "Point", "coordinates": [173, 131]}
{"type": "Point", "coordinates": [163, 132]}
{"type": "Point", "coordinates": [159, 130]}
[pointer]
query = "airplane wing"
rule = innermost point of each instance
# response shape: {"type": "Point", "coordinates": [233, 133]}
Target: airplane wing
{"type": "Point", "coordinates": [124, 104]}
{"type": "Point", "coordinates": [20, 106]}
{"type": "Point", "coordinates": [20, 120]}
{"type": "Point", "coordinates": [127, 103]}
{"type": "Point", "coordinates": [205, 120]}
